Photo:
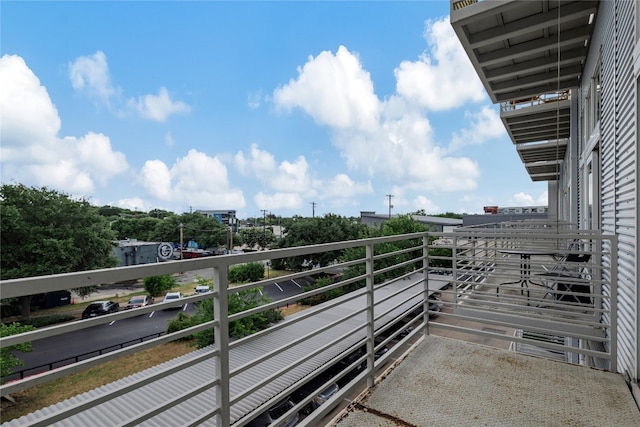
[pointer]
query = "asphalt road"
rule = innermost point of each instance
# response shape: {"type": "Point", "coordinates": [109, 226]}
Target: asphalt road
{"type": "Point", "coordinates": [49, 353]}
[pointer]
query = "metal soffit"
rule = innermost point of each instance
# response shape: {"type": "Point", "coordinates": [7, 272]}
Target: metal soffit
{"type": "Point", "coordinates": [529, 55]}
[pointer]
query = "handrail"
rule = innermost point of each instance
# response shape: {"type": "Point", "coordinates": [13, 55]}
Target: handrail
{"type": "Point", "coordinates": [394, 289]}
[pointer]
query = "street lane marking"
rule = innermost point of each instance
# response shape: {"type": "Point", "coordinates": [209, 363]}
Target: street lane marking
{"type": "Point", "coordinates": [296, 283]}
{"type": "Point", "coordinates": [278, 286]}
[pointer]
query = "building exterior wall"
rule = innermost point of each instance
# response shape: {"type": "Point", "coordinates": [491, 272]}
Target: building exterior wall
{"type": "Point", "coordinates": [135, 253]}
{"type": "Point", "coordinates": [603, 176]}
{"type": "Point", "coordinates": [226, 217]}
{"type": "Point", "coordinates": [473, 220]}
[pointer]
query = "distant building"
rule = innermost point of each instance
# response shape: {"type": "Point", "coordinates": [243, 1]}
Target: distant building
{"type": "Point", "coordinates": [437, 223]}
{"type": "Point", "coordinates": [226, 217]}
{"type": "Point", "coordinates": [133, 252]}
{"type": "Point", "coordinates": [494, 210]}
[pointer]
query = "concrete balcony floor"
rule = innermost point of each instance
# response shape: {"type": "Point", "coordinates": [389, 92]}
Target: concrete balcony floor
{"type": "Point", "coordinates": [449, 382]}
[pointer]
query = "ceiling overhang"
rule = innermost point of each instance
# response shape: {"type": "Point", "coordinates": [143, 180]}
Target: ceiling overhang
{"type": "Point", "coordinates": [543, 161]}
{"type": "Point", "coordinates": [529, 56]}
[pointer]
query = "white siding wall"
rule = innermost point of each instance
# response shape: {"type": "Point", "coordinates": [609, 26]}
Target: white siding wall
{"type": "Point", "coordinates": [612, 49]}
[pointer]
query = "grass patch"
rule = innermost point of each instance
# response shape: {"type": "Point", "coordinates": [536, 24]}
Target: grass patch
{"type": "Point", "coordinates": [55, 391]}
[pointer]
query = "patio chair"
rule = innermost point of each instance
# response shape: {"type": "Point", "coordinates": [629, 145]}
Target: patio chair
{"type": "Point", "coordinates": [568, 279]}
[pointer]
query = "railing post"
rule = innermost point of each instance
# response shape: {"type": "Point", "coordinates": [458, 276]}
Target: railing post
{"type": "Point", "coordinates": [425, 274]}
{"type": "Point", "coordinates": [221, 337]}
{"type": "Point", "coordinates": [613, 347]}
{"type": "Point", "coordinates": [370, 316]}
{"type": "Point", "coordinates": [454, 269]}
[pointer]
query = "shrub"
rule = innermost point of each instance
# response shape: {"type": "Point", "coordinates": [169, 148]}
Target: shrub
{"type": "Point", "coordinates": [159, 285]}
{"type": "Point", "coordinates": [7, 359]}
{"type": "Point", "coordinates": [325, 296]}
{"type": "Point", "coordinates": [180, 322]}
{"type": "Point", "coordinates": [240, 301]}
{"type": "Point", "coordinates": [52, 319]}
{"type": "Point", "coordinates": [245, 273]}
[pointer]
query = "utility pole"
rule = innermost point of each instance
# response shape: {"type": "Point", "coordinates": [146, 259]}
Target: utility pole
{"type": "Point", "coordinates": [313, 209]}
{"type": "Point", "coordinates": [232, 221]}
{"type": "Point", "coordinates": [181, 227]}
{"type": "Point", "coordinates": [264, 226]}
{"type": "Point", "coordinates": [390, 205]}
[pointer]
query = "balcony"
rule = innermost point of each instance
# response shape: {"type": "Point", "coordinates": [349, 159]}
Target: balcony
{"type": "Point", "coordinates": [556, 331]}
{"type": "Point", "coordinates": [529, 57]}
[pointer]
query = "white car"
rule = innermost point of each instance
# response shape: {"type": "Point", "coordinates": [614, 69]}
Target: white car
{"type": "Point", "coordinates": [202, 289]}
{"type": "Point", "coordinates": [173, 296]}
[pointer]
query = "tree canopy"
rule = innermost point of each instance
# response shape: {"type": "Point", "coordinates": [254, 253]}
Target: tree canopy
{"type": "Point", "coordinates": [46, 232]}
{"type": "Point", "coordinates": [310, 231]}
{"type": "Point", "coordinates": [208, 232]}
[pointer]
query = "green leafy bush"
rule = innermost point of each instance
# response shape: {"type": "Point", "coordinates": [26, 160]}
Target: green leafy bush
{"type": "Point", "coordinates": [246, 273]}
{"type": "Point", "coordinates": [52, 319]}
{"type": "Point", "coordinates": [180, 322]}
{"type": "Point", "coordinates": [7, 359]}
{"type": "Point", "coordinates": [159, 285]}
{"type": "Point", "coordinates": [240, 301]}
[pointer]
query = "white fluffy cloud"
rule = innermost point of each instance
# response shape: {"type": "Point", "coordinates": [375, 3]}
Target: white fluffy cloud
{"type": "Point", "coordinates": [423, 202]}
{"type": "Point", "coordinates": [90, 75]}
{"type": "Point", "coordinates": [482, 126]}
{"type": "Point", "coordinates": [342, 186]}
{"type": "Point", "coordinates": [157, 107]}
{"type": "Point", "coordinates": [286, 177]}
{"type": "Point", "coordinates": [334, 90]}
{"type": "Point", "coordinates": [523, 199]}
{"type": "Point", "coordinates": [444, 77]}
{"type": "Point", "coordinates": [196, 180]}
{"type": "Point", "coordinates": [135, 204]}
{"type": "Point", "coordinates": [32, 153]}
{"type": "Point", "coordinates": [392, 138]}
{"type": "Point", "coordinates": [278, 201]}
{"type": "Point", "coordinates": [288, 183]}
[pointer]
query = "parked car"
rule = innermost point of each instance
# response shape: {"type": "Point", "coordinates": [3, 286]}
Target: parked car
{"type": "Point", "coordinates": [138, 301]}
{"type": "Point", "coordinates": [310, 387]}
{"type": "Point", "coordinates": [345, 362]}
{"type": "Point", "coordinates": [275, 412]}
{"type": "Point", "coordinates": [100, 308]}
{"type": "Point", "coordinates": [202, 289]}
{"type": "Point", "coordinates": [435, 305]}
{"type": "Point", "coordinates": [171, 297]}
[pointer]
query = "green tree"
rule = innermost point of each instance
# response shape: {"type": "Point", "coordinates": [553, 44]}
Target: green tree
{"type": "Point", "coordinates": [208, 232]}
{"type": "Point", "coordinates": [159, 285]}
{"type": "Point", "coordinates": [7, 360]}
{"type": "Point", "coordinates": [257, 236]}
{"type": "Point", "coordinates": [238, 302]}
{"type": "Point", "coordinates": [310, 231]}
{"type": "Point", "coordinates": [143, 229]}
{"type": "Point", "coordinates": [246, 273]}
{"type": "Point", "coordinates": [46, 232]}
{"type": "Point", "coordinates": [402, 224]}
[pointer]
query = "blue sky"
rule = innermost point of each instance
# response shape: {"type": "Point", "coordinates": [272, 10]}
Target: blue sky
{"type": "Point", "coordinates": [252, 106]}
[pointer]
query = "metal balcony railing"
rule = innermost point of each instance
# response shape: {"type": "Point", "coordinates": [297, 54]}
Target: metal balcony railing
{"type": "Point", "coordinates": [344, 339]}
